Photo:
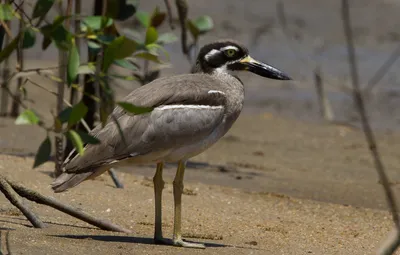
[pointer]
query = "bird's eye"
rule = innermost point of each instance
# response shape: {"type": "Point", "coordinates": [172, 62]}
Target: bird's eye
{"type": "Point", "coordinates": [230, 53]}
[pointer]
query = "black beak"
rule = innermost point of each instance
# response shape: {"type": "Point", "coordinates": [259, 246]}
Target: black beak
{"type": "Point", "coordinates": [252, 65]}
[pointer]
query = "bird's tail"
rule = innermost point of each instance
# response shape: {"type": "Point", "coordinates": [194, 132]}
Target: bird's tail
{"type": "Point", "coordinates": [69, 180]}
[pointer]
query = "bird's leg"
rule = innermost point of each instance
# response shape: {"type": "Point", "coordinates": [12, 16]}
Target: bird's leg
{"type": "Point", "coordinates": [178, 189]}
{"type": "Point", "coordinates": [158, 188]}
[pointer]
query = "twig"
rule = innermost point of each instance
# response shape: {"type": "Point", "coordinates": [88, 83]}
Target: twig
{"type": "Point", "coordinates": [182, 7]}
{"type": "Point", "coordinates": [169, 11]}
{"type": "Point", "coordinates": [13, 197]}
{"type": "Point", "coordinates": [324, 104]}
{"type": "Point", "coordinates": [369, 135]}
{"type": "Point", "coordinates": [77, 24]}
{"type": "Point", "coordinates": [62, 60]}
{"type": "Point", "coordinates": [8, 244]}
{"type": "Point", "coordinates": [19, 9]}
{"type": "Point", "coordinates": [49, 201]}
{"type": "Point", "coordinates": [19, 67]}
{"type": "Point", "coordinates": [6, 28]}
{"type": "Point", "coordinates": [306, 60]}
{"type": "Point", "coordinates": [382, 71]}
{"type": "Point", "coordinates": [64, 100]}
{"type": "Point", "coordinates": [5, 83]}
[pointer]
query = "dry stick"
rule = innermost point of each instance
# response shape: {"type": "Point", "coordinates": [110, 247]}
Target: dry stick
{"type": "Point", "coordinates": [8, 244]}
{"type": "Point", "coordinates": [369, 135]}
{"type": "Point", "coordinates": [77, 25]}
{"type": "Point", "coordinates": [49, 201]}
{"type": "Point", "coordinates": [6, 26]}
{"type": "Point", "coordinates": [5, 83]}
{"type": "Point", "coordinates": [59, 138]}
{"type": "Point", "coordinates": [280, 9]}
{"type": "Point", "coordinates": [73, 95]}
{"type": "Point", "coordinates": [182, 7]}
{"type": "Point", "coordinates": [19, 67]}
{"type": "Point", "coordinates": [169, 11]}
{"type": "Point", "coordinates": [13, 197]}
{"type": "Point", "coordinates": [382, 71]}
{"type": "Point", "coordinates": [324, 104]}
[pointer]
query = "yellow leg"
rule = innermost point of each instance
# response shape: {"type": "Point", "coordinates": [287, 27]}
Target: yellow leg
{"type": "Point", "coordinates": [178, 189]}
{"type": "Point", "coordinates": [158, 188]}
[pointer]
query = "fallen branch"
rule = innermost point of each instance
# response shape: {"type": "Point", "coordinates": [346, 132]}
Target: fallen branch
{"type": "Point", "coordinates": [369, 135]}
{"type": "Point", "coordinates": [169, 11]}
{"type": "Point", "coordinates": [13, 197]}
{"type": "Point", "coordinates": [52, 202]}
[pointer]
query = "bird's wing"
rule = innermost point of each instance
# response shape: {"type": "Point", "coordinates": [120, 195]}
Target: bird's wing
{"type": "Point", "coordinates": [185, 112]}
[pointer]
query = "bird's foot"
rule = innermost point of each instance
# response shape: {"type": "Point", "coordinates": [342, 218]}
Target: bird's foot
{"type": "Point", "coordinates": [179, 242]}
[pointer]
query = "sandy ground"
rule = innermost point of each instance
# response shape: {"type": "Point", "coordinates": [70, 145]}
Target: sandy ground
{"type": "Point", "coordinates": [275, 171]}
{"type": "Point", "coordinates": [273, 185]}
{"type": "Point", "coordinates": [228, 221]}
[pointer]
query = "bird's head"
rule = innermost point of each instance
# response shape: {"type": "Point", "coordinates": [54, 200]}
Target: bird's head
{"type": "Point", "coordinates": [231, 56]}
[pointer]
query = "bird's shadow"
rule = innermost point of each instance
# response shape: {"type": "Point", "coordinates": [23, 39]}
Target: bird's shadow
{"type": "Point", "coordinates": [126, 239]}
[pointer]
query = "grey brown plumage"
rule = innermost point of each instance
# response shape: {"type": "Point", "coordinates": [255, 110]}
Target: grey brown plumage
{"type": "Point", "coordinates": [143, 131]}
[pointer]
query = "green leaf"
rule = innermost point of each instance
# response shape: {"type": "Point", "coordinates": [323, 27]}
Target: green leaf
{"type": "Point", "coordinates": [57, 33]}
{"type": "Point", "coordinates": [27, 117]}
{"type": "Point", "coordinates": [193, 29]}
{"type": "Point", "coordinates": [43, 153]}
{"type": "Point", "coordinates": [143, 17]}
{"type": "Point", "coordinates": [157, 17]}
{"type": "Point", "coordinates": [87, 69]}
{"type": "Point", "coordinates": [29, 38]}
{"type": "Point", "coordinates": [148, 56]}
{"type": "Point", "coordinates": [204, 23]}
{"type": "Point", "coordinates": [77, 113]}
{"type": "Point", "coordinates": [86, 138]}
{"type": "Point", "coordinates": [125, 64]}
{"type": "Point", "coordinates": [6, 52]}
{"type": "Point", "coordinates": [61, 37]}
{"type": "Point", "coordinates": [125, 78]}
{"type": "Point", "coordinates": [96, 23]}
{"type": "Point", "coordinates": [120, 48]}
{"type": "Point", "coordinates": [41, 8]}
{"type": "Point", "coordinates": [64, 114]}
{"type": "Point", "coordinates": [94, 47]}
{"type": "Point", "coordinates": [76, 141]}
{"type": "Point", "coordinates": [46, 42]}
{"type": "Point", "coordinates": [73, 64]}
{"type": "Point", "coordinates": [151, 35]}
{"type": "Point", "coordinates": [125, 9]}
{"type": "Point", "coordinates": [167, 38]}
{"type": "Point", "coordinates": [6, 12]}
{"type": "Point", "coordinates": [134, 109]}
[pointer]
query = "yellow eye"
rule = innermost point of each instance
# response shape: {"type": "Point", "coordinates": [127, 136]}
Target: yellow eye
{"type": "Point", "coordinates": [230, 53]}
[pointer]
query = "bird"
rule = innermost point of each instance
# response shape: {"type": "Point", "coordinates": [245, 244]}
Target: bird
{"type": "Point", "coordinates": [190, 113]}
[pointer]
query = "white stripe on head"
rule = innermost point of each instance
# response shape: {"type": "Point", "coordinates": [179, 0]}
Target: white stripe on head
{"type": "Point", "coordinates": [211, 53]}
{"type": "Point", "coordinates": [188, 106]}
{"type": "Point", "coordinates": [230, 47]}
